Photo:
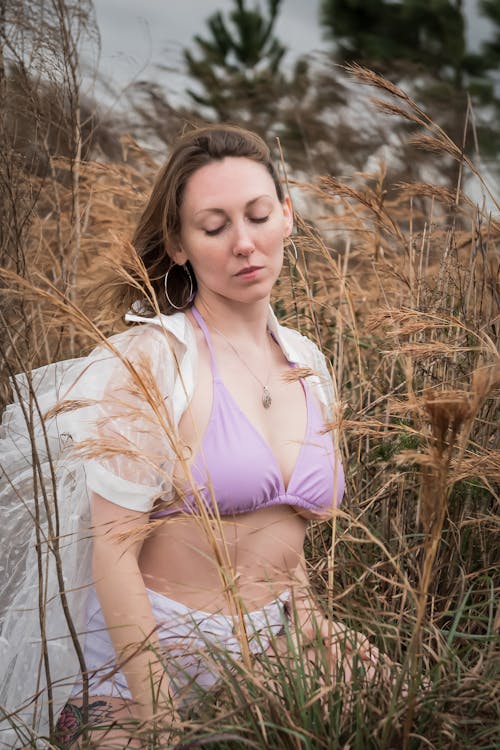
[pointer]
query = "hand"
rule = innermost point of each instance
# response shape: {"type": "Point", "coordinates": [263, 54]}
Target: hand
{"type": "Point", "coordinates": [313, 623]}
{"type": "Point", "coordinates": [349, 642]}
{"type": "Point", "coordinates": [346, 647]}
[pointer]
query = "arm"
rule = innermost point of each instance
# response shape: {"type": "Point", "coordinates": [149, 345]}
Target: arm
{"type": "Point", "coordinates": [118, 538]}
{"type": "Point", "coordinates": [309, 619]}
{"type": "Point", "coordinates": [119, 410]}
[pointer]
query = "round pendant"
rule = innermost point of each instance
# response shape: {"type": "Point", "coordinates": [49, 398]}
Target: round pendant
{"type": "Point", "coordinates": [266, 398]}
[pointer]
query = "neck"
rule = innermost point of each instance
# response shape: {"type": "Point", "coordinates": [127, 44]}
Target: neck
{"type": "Point", "coordinates": [237, 321]}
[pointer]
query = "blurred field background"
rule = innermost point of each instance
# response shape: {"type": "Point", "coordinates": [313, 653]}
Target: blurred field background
{"type": "Point", "coordinates": [397, 279]}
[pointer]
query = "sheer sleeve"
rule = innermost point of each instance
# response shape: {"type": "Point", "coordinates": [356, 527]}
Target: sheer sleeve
{"type": "Point", "coordinates": [321, 380]}
{"type": "Point", "coordinates": [118, 413]}
{"type": "Point", "coordinates": [102, 423]}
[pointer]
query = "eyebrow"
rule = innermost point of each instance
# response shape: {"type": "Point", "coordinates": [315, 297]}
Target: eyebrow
{"type": "Point", "coordinates": [222, 211]}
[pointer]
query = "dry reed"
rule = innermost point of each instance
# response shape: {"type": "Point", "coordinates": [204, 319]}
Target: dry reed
{"type": "Point", "coordinates": [403, 297]}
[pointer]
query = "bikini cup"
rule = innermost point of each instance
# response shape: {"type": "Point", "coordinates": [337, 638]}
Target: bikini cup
{"type": "Point", "coordinates": [236, 467]}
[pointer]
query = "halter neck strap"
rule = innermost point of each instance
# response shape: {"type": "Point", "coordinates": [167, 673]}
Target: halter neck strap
{"type": "Point", "coordinates": [206, 333]}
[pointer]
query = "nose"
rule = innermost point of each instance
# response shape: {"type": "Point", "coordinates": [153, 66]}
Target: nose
{"type": "Point", "coordinates": [243, 242]}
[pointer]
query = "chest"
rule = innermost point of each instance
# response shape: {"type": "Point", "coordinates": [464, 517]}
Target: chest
{"type": "Point", "coordinates": [238, 391]}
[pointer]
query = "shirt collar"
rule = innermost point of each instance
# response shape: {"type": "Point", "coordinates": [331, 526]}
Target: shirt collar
{"type": "Point", "coordinates": [177, 325]}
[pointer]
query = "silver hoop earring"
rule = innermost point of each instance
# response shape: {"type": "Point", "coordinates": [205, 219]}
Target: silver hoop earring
{"type": "Point", "coordinates": [190, 296]}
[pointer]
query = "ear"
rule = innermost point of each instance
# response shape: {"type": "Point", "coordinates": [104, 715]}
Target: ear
{"type": "Point", "coordinates": [287, 216]}
{"type": "Point", "coordinates": [178, 255]}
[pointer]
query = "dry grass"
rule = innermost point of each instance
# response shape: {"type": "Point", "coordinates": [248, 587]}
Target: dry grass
{"type": "Point", "coordinates": [403, 296]}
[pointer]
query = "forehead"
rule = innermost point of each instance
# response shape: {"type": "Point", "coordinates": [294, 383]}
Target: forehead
{"type": "Point", "coordinates": [230, 181]}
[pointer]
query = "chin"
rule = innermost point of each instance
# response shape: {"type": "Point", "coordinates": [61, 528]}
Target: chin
{"type": "Point", "coordinates": [257, 295]}
{"type": "Point", "coordinates": [256, 292]}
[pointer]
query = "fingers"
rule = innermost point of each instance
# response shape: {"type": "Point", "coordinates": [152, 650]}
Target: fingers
{"type": "Point", "coordinates": [334, 633]}
{"type": "Point", "coordinates": [353, 642]}
{"type": "Point", "coordinates": [345, 648]}
{"type": "Point", "coordinates": [352, 654]}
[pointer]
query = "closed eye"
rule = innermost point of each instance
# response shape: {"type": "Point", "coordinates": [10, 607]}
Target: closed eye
{"type": "Point", "coordinates": [213, 232]}
{"type": "Point", "coordinates": [218, 230]}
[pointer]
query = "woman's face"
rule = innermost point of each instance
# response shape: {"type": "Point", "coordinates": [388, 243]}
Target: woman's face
{"type": "Point", "coordinates": [232, 229]}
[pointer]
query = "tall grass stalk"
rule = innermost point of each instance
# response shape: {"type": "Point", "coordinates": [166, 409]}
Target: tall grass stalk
{"type": "Point", "coordinates": [399, 287]}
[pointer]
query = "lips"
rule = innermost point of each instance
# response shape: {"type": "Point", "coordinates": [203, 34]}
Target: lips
{"type": "Point", "coordinates": [248, 270]}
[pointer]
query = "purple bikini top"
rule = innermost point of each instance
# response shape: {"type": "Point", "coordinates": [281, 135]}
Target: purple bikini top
{"type": "Point", "coordinates": [236, 465]}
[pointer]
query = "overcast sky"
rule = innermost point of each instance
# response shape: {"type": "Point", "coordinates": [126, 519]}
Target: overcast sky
{"type": "Point", "coordinates": [138, 35]}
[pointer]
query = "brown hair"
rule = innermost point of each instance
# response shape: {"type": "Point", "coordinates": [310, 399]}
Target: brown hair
{"type": "Point", "coordinates": [158, 229]}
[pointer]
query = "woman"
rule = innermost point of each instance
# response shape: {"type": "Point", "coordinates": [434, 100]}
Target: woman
{"type": "Point", "coordinates": [205, 452]}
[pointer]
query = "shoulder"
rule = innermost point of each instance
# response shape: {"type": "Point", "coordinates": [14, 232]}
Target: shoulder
{"type": "Point", "coordinates": [301, 349]}
{"type": "Point", "coordinates": [177, 327]}
{"type": "Point", "coordinates": [306, 353]}
{"type": "Point", "coordinates": [136, 360]}
{"type": "Point", "coordinates": [156, 342]}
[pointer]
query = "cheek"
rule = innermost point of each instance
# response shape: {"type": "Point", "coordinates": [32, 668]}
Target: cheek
{"type": "Point", "coordinates": [207, 261]}
{"type": "Point", "coordinates": [195, 249]}
{"type": "Point", "coordinates": [278, 234]}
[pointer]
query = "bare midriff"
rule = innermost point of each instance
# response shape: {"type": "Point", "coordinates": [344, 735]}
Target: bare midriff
{"type": "Point", "coordinates": [197, 561]}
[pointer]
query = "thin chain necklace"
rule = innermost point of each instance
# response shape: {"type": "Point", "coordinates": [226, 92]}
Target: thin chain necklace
{"type": "Point", "coordinates": [266, 393]}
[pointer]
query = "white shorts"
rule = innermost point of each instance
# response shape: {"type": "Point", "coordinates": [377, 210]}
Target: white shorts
{"type": "Point", "coordinates": [193, 645]}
